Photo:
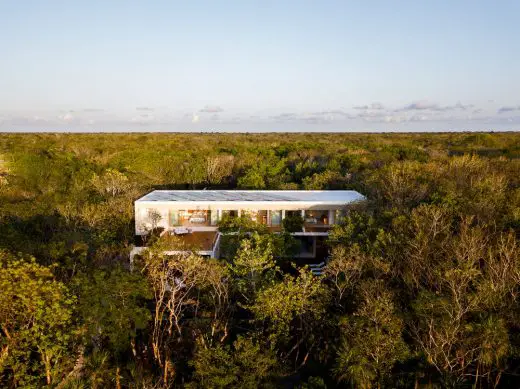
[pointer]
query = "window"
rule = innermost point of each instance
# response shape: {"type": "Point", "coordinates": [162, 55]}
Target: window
{"type": "Point", "coordinates": [276, 217]}
{"type": "Point", "coordinates": [317, 217]}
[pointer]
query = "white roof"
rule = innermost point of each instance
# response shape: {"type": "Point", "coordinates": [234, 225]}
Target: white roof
{"type": "Point", "coordinates": [322, 196]}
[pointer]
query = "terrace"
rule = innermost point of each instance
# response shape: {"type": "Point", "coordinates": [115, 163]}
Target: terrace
{"type": "Point", "coordinates": [198, 241]}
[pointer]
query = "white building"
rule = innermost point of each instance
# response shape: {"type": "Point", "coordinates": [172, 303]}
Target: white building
{"type": "Point", "coordinates": [195, 214]}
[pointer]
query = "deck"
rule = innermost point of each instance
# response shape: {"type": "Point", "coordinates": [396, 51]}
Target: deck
{"type": "Point", "coordinates": [194, 241]}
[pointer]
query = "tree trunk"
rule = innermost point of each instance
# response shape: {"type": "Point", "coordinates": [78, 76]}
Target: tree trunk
{"type": "Point", "coordinates": [118, 379]}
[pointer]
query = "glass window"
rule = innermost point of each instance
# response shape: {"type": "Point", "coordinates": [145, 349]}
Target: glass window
{"type": "Point", "coordinates": [276, 217]}
{"type": "Point", "coordinates": [317, 217]}
{"type": "Point", "coordinates": [174, 217]}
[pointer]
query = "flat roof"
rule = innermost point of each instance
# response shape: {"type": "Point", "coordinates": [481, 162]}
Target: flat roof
{"type": "Point", "coordinates": [325, 196]}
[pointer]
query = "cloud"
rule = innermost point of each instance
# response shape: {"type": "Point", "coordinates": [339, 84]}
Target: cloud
{"type": "Point", "coordinates": [425, 105]}
{"type": "Point", "coordinates": [375, 106]}
{"type": "Point", "coordinates": [371, 114]}
{"type": "Point", "coordinates": [420, 106]}
{"type": "Point", "coordinates": [68, 117]}
{"type": "Point", "coordinates": [144, 109]}
{"type": "Point", "coordinates": [459, 105]}
{"type": "Point", "coordinates": [211, 109]}
{"type": "Point", "coordinates": [312, 117]}
{"type": "Point", "coordinates": [508, 109]}
{"type": "Point", "coordinates": [286, 116]}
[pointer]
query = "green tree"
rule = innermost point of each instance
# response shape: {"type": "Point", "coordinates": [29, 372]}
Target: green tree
{"type": "Point", "coordinates": [292, 310]}
{"type": "Point", "coordinates": [112, 182]}
{"type": "Point", "coordinates": [112, 304]}
{"type": "Point", "coordinates": [292, 223]}
{"type": "Point", "coordinates": [254, 266]}
{"type": "Point", "coordinates": [372, 339]}
{"type": "Point", "coordinates": [36, 322]}
{"type": "Point", "coordinates": [247, 364]}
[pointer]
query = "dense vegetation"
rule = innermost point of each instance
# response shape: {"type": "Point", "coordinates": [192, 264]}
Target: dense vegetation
{"type": "Point", "coordinates": [422, 289]}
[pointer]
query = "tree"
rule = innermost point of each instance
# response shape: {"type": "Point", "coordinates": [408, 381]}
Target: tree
{"type": "Point", "coordinates": [190, 293]}
{"type": "Point", "coordinates": [344, 271]}
{"type": "Point", "coordinates": [112, 183]}
{"type": "Point", "coordinates": [293, 223]}
{"type": "Point", "coordinates": [401, 184]}
{"type": "Point", "coordinates": [291, 310]}
{"type": "Point", "coordinates": [218, 167]}
{"type": "Point", "coordinates": [36, 323]}
{"type": "Point", "coordinates": [247, 364]}
{"type": "Point", "coordinates": [154, 217]}
{"type": "Point", "coordinates": [112, 304]}
{"type": "Point", "coordinates": [4, 172]}
{"type": "Point", "coordinates": [193, 172]}
{"type": "Point", "coordinates": [371, 339]}
{"type": "Point", "coordinates": [325, 180]}
{"type": "Point", "coordinates": [454, 322]}
{"type": "Point", "coordinates": [253, 266]}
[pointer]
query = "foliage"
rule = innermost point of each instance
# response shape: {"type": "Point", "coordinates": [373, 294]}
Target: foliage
{"type": "Point", "coordinates": [36, 318]}
{"type": "Point", "coordinates": [371, 338]}
{"type": "Point", "coordinates": [253, 266]}
{"type": "Point", "coordinates": [244, 365]}
{"type": "Point", "coordinates": [112, 305]}
{"type": "Point", "coordinates": [302, 298]}
{"type": "Point", "coordinates": [292, 223]}
{"type": "Point", "coordinates": [421, 289]}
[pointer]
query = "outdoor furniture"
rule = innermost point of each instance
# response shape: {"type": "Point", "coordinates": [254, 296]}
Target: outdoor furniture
{"type": "Point", "coordinates": [181, 231]}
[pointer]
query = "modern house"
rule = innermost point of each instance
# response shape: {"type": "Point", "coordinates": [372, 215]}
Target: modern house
{"type": "Point", "coordinates": [194, 214]}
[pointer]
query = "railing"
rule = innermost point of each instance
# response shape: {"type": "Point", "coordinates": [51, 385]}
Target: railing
{"type": "Point", "coordinates": [216, 245]}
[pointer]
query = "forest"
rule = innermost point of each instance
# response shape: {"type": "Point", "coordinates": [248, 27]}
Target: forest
{"type": "Point", "coordinates": [422, 289]}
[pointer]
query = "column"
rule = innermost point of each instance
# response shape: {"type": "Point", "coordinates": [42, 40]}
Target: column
{"type": "Point", "coordinates": [283, 214]}
{"type": "Point", "coordinates": [331, 216]}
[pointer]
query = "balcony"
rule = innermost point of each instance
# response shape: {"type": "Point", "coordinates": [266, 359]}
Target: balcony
{"type": "Point", "coordinates": [316, 220]}
{"type": "Point", "coordinates": [202, 242]}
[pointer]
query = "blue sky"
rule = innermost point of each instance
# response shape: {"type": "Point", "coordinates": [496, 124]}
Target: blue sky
{"type": "Point", "coordinates": [259, 65]}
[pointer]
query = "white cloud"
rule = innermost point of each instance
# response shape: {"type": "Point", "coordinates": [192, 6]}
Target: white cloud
{"type": "Point", "coordinates": [68, 117]}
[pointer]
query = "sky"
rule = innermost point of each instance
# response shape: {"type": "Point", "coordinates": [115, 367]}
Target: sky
{"type": "Point", "coordinates": [444, 65]}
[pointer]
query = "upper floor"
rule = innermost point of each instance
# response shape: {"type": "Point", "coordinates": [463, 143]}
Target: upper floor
{"type": "Point", "coordinates": [201, 210]}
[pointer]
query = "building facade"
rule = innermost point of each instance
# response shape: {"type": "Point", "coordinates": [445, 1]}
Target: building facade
{"type": "Point", "coordinates": [196, 213]}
